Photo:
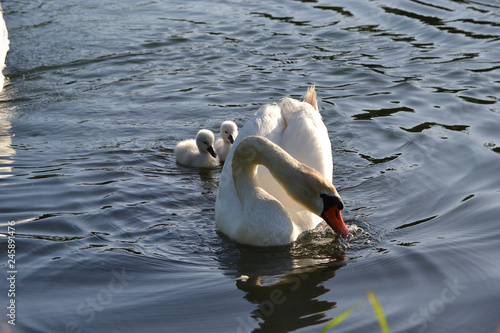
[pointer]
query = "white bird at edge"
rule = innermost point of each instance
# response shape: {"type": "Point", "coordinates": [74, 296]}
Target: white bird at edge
{"type": "Point", "coordinates": [198, 152]}
{"type": "Point", "coordinates": [4, 46]}
{"type": "Point", "coordinates": [277, 179]}
{"type": "Point", "coordinates": [228, 133]}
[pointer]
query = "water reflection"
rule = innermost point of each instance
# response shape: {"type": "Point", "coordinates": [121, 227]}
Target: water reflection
{"type": "Point", "coordinates": [5, 138]}
{"type": "Point", "coordinates": [428, 125]}
{"type": "Point", "coordinates": [6, 151]}
{"type": "Point", "coordinates": [286, 292]}
{"type": "Point", "coordinates": [209, 179]}
{"type": "Point", "coordinates": [381, 113]}
{"type": "Point", "coordinates": [290, 303]}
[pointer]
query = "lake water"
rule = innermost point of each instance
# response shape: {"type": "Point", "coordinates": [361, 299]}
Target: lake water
{"type": "Point", "coordinates": [113, 236]}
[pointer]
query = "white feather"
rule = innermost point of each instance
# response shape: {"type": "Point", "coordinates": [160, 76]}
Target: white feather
{"type": "Point", "coordinates": [196, 153]}
{"type": "Point", "coordinates": [296, 127]}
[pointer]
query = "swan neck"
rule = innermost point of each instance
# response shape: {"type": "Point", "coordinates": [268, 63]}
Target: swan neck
{"type": "Point", "coordinates": [254, 151]}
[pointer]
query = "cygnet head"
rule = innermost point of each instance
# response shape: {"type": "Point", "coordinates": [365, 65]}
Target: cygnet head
{"type": "Point", "coordinates": [228, 131]}
{"type": "Point", "coordinates": [205, 142]}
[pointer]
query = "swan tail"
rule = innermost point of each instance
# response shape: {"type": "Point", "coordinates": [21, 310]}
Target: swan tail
{"type": "Point", "coordinates": [311, 97]}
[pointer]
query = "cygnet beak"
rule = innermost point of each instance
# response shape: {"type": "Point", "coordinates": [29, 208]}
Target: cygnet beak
{"type": "Point", "coordinates": [212, 151]}
{"type": "Point", "coordinates": [231, 139]}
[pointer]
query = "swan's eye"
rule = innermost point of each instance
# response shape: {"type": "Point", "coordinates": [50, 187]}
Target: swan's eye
{"type": "Point", "coordinates": [331, 201]}
{"type": "Point", "coordinates": [205, 142]}
{"type": "Point", "coordinates": [226, 132]}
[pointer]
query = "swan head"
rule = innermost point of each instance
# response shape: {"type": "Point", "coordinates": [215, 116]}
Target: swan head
{"type": "Point", "coordinates": [321, 197]}
{"type": "Point", "coordinates": [205, 142]}
{"type": "Point", "coordinates": [315, 193]}
{"type": "Point", "coordinates": [228, 131]}
{"type": "Point", "coordinates": [332, 205]}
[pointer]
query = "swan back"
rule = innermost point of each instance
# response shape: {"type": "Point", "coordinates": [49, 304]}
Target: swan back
{"type": "Point", "coordinates": [306, 136]}
{"type": "Point", "coordinates": [267, 122]}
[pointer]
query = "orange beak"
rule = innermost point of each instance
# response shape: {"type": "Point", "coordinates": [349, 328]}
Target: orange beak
{"type": "Point", "coordinates": [334, 219]}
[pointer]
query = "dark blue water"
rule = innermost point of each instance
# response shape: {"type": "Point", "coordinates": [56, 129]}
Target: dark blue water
{"type": "Point", "coordinates": [113, 236]}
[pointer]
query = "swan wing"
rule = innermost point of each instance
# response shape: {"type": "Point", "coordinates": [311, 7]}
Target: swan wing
{"type": "Point", "coordinates": [267, 122]}
{"type": "Point", "coordinates": [306, 139]}
{"type": "Point", "coordinates": [306, 136]}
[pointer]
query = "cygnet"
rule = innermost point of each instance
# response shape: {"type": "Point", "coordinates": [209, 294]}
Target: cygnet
{"type": "Point", "coordinates": [198, 153]}
{"type": "Point", "coordinates": [228, 133]}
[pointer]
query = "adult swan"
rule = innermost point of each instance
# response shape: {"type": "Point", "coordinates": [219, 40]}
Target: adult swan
{"type": "Point", "coordinates": [276, 181]}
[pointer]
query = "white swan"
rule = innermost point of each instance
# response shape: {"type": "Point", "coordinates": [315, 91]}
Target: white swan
{"type": "Point", "coordinates": [199, 152]}
{"type": "Point", "coordinates": [228, 132]}
{"type": "Point", "coordinates": [248, 203]}
{"type": "Point", "coordinates": [4, 46]}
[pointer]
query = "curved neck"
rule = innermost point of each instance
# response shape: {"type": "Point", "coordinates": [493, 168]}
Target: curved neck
{"type": "Point", "coordinates": [255, 150]}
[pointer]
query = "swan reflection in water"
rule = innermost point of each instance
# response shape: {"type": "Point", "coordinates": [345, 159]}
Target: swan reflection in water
{"type": "Point", "coordinates": [286, 292]}
{"type": "Point", "coordinates": [6, 152]}
{"type": "Point", "coordinates": [287, 305]}
{"type": "Point", "coordinates": [5, 126]}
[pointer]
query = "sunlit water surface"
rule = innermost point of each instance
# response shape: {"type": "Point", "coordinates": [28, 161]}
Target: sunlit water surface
{"type": "Point", "coordinates": [113, 236]}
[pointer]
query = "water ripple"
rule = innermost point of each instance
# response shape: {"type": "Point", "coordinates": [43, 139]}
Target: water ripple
{"type": "Point", "coordinates": [98, 94]}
